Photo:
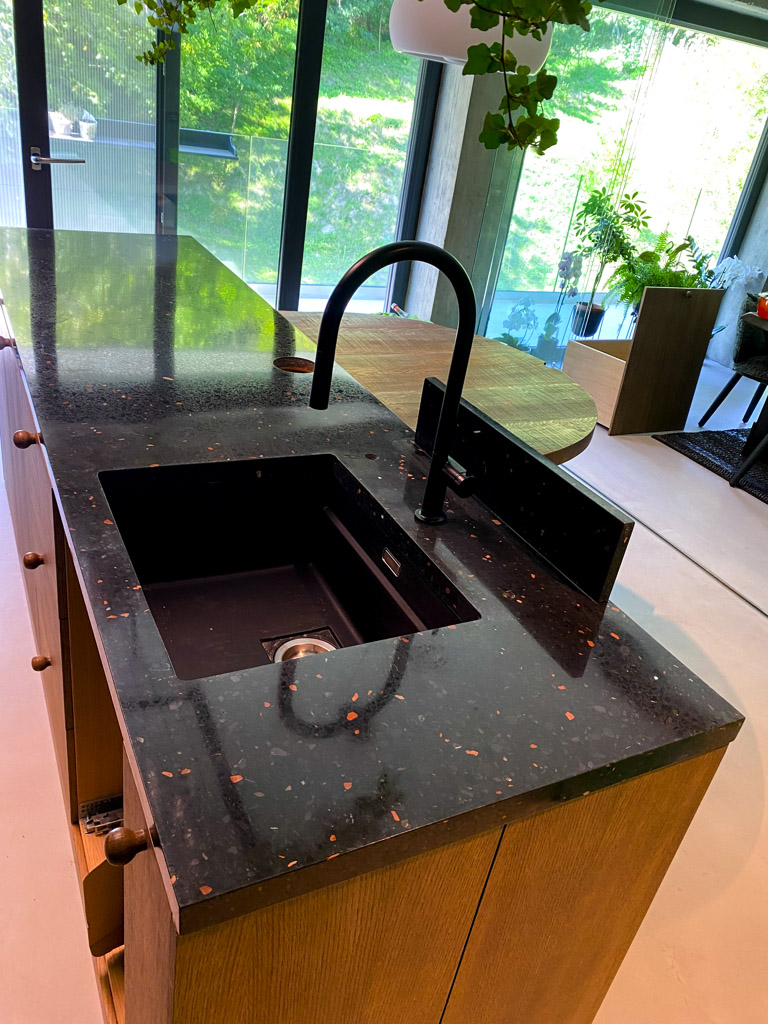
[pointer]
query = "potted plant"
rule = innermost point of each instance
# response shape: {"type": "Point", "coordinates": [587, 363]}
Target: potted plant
{"type": "Point", "coordinates": [569, 272]}
{"type": "Point", "coordinates": [645, 383]}
{"type": "Point", "coordinates": [666, 265]}
{"type": "Point", "coordinates": [521, 320]}
{"type": "Point", "coordinates": [605, 227]}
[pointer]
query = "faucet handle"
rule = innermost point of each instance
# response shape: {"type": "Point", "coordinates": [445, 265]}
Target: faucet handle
{"type": "Point", "coordinates": [459, 480]}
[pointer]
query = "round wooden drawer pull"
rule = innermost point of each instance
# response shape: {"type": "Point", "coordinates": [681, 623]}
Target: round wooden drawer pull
{"type": "Point", "coordinates": [122, 844]}
{"type": "Point", "coordinates": [23, 439]}
{"type": "Point", "coordinates": [40, 662]}
{"type": "Point", "coordinates": [5, 343]}
{"type": "Point", "coordinates": [32, 560]}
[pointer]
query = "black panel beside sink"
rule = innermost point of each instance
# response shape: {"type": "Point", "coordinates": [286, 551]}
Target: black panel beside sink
{"type": "Point", "coordinates": [236, 557]}
{"type": "Point", "coordinates": [579, 532]}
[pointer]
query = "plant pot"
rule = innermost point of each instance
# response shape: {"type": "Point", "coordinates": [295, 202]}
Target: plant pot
{"type": "Point", "coordinates": [427, 28]}
{"type": "Point", "coordinates": [586, 320]}
{"type": "Point", "coordinates": [546, 349]}
{"type": "Point", "coordinates": [87, 130]}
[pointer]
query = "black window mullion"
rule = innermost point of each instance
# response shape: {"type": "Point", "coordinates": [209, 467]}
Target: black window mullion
{"type": "Point", "coordinates": [167, 106]}
{"type": "Point", "coordinates": [749, 198]}
{"type": "Point", "coordinates": [33, 109]}
{"type": "Point", "coordinates": [415, 174]}
{"type": "Point", "coordinates": [310, 36]}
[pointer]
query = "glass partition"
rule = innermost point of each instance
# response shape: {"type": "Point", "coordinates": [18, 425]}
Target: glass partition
{"type": "Point", "coordinates": [12, 212]}
{"type": "Point", "coordinates": [367, 92]}
{"type": "Point", "coordinates": [101, 108]}
{"type": "Point", "coordinates": [642, 110]}
{"type": "Point", "coordinates": [236, 83]}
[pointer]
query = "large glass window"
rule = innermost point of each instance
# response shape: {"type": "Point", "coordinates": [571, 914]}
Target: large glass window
{"type": "Point", "coordinates": [367, 91]}
{"type": "Point", "coordinates": [670, 113]}
{"type": "Point", "coordinates": [236, 82]}
{"type": "Point", "coordinates": [234, 114]}
{"type": "Point", "coordinates": [101, 108]}
{"type": "Point", "coordinates": [11, 182]}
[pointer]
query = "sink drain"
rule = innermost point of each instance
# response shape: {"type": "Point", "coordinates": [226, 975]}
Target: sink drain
{"type": "Point", "coordinates": [301, 647]}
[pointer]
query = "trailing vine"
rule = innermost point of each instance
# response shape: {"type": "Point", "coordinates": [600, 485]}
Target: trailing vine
{"type": "Point", "coordinates": [521, 122]}
{"type": "Point", "coordinates": [177, 16]}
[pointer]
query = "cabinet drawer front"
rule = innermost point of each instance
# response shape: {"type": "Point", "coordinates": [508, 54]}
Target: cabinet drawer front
{"type": "Point", "coordinates": [37, 537]}
{"type": "Point", "coordinates": [31, 502]}
{"type": "Point", "coordinates": [15, 414]}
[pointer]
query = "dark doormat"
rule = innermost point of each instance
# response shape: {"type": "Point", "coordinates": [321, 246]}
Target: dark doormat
{"type": "Point", "coordinates": [720, 451]}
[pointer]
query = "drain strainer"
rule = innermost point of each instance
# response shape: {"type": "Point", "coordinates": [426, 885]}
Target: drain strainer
{"type": "Point", "coordinates": [289, 648]}
{"type": "Point", "coordinates": [300, 647]}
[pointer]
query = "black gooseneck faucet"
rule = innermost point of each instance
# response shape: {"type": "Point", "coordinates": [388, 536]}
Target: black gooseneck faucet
{"type": "Point", "coordinates": [442, 471]}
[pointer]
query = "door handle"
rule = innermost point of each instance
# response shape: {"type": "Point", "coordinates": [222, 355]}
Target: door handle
{"type": "Point", "coordinates": [38, 161]}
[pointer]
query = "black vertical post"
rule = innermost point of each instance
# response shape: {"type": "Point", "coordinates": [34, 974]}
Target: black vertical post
{"type": "Point", "coordinates": [164, 311]}
{"type": "Point", "coordinates": [33, 109]}
{"type": "Point", "coordinates": [301, 143]}
{"type": "Point", "coordinates": [167, 140]}
{"type": "Point", "coordinates": [748, 200]}
{"type": "Point", "coordinates": [415, 174]}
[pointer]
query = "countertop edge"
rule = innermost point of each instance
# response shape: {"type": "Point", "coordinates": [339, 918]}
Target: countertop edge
{"type": "Point", "coordinates": [383, 853]}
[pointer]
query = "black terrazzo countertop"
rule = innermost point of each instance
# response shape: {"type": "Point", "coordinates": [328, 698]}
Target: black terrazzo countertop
{"type": "Point", "coordinates": [146, 351]}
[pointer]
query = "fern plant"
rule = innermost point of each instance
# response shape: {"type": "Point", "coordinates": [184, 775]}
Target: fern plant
{"type": "Point", "coordinates": [666, 265]}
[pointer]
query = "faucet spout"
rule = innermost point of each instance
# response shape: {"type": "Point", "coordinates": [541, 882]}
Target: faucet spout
{"type": "Point", "coordinates": [431, 510]}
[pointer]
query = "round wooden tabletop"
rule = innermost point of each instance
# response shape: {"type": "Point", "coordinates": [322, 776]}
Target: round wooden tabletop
{"type": "Point", "coordinates": [391, 356]}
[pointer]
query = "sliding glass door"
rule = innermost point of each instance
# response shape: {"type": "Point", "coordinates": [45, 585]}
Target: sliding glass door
{"type": "Point", "coordinates": [11, 175]}
{"type": "Point", "coordinates": [208, 143]}
{"type": "Point", "coordinates": [670, 113]}
{"type": "Point", "coordinates": [101, 108]}
{"type": "Point", "coordinates": [365, 110]}
{"type": "Point", "coordinates": [235, 110]}
{"type": "Point", "coordinates": [83, 115]}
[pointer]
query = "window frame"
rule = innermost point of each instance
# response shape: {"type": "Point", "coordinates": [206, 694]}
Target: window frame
{"type": "Point", "coordinates": [699, 16]}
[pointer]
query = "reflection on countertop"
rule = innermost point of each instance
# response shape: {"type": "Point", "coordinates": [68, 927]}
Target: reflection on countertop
{"type": "Point", "coordinates": [145, 351]}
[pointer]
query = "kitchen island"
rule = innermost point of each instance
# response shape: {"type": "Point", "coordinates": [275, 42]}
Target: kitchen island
{"type": "Point", "coordinates": [464, 822]}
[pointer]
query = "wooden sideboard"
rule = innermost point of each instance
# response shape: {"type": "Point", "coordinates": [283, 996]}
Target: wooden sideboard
{"type": "Point", "coordinates": [646, 383]}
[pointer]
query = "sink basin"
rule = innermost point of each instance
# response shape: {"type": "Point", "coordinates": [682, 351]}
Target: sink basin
{"type": "Point", "coordinates": [244, 563]}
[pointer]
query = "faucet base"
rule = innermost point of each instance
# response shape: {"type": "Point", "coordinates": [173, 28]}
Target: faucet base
{"type": "Point", "coordinates": [419, 516]}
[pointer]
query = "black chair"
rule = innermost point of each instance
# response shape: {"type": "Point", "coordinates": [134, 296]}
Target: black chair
{"type": "Point", "coordinates": [750, 359]}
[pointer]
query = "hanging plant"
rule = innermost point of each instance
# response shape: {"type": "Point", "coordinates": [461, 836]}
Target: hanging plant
{"type": "Point", "coordinates": [176, 16]}
{"type": "Point", "coordinates": [520, 122]}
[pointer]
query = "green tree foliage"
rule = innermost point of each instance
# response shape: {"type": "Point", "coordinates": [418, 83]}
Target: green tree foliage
{"type": "Point", "coordinates": [87, 63]}
{"type": "Point", "coordinates": [236, 77]}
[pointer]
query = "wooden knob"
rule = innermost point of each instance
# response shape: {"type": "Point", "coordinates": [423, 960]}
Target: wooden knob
{"type": "Point", "coordinates": [32, 560]}
{"type": "Point", "coordinates": [40, 662]}
{"type": "Point", "coordinates": [5, 343]}
{"type": "Point", "coordinates": [23, 439]}
{"type": "Point", "coordinates": [122, 844]}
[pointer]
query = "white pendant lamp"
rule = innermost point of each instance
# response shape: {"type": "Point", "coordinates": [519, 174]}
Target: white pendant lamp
{"type": "Point", "coordinates": [427, 28]}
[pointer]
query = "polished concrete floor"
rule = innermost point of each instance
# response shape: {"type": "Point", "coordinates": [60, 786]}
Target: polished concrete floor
{"type": "Point", "coordinates": [693, 577]}
{"type": "Point", "coordinates": [46, 970]}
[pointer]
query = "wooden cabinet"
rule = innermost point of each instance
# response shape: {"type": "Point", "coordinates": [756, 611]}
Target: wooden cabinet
{"type": "Point", "coordinates": [30, 497]}
{"type": "Point", "coordinates": [523, 923]}
{"type": "Point", "coordinates": [84, 727]}
{"type": "Point", "coordinates": [647, 383]}
{"type": "Point", "coordinates": [568, 891]}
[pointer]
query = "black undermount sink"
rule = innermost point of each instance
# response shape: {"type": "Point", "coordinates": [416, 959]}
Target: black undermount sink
{"type": "Point", "coordinates": [244, 563]}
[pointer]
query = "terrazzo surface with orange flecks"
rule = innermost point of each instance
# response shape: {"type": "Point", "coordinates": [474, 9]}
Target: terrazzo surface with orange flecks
{"type": "Point", "coordinates": [146, 351]}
